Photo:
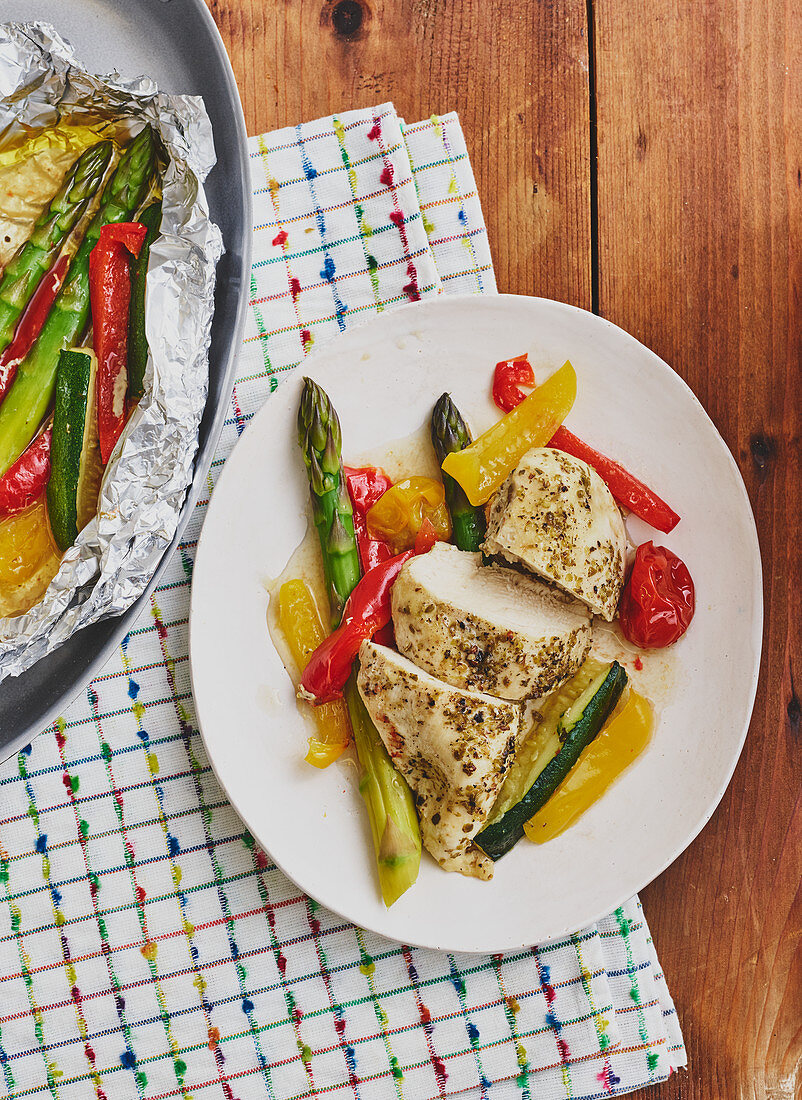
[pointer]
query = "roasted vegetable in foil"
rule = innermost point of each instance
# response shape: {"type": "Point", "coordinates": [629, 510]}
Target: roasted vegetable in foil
{"type": "Point", "coordinates": [78, 152]}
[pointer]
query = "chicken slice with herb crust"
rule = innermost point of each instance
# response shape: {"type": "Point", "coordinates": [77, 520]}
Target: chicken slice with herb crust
{"type": "Point", "coordinates": [453, 747]}
{"type": "Point", "coordinates": [487, 627]}
{"type": "Point", "coordinates": [555, 516]}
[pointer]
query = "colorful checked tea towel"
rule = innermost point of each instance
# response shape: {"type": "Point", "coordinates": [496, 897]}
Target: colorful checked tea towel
{"type": "Point", "coordinates": [149, 949]}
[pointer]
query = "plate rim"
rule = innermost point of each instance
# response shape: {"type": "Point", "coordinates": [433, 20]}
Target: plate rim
{"type": "Point", "coordinates": [319, 352]}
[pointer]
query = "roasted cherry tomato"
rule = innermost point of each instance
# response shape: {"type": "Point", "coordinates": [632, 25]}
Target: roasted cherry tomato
{"type": "Point", "coordinates": [658, 600]}
{"type": "Point", "coordinates": [397, 515]}
{"type": "Point", "coordinates": [508, 373]}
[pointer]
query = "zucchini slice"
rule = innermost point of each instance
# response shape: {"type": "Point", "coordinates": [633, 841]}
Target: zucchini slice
{"type": "Point", "coordinates": [75, 465]}
{"type": "Point", "coordinates": [585, 702]}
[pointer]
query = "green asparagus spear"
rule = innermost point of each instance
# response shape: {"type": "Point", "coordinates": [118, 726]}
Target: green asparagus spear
{"type": "Point", "coordinates": [450, 433]}
{"type": "Point", "coordinates": [32, 390]}
{"type": "Point", "coordinates": [151, 217]}
{"type": "Point", "coordinates": [391, 809]}
{"type": "Point", "coordinates": [37, 255]}
{"type": "Point", "coordinates": [320, 440]}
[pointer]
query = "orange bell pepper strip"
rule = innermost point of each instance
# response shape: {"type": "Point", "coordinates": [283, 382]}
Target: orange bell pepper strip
{"type": "Point", "coordinates": [482, 467]}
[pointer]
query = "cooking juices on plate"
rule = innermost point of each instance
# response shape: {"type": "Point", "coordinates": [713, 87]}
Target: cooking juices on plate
{"type": "Point", "coordinates": [461, 655]}
{"type": "Point", "coordinates": [82, 206]}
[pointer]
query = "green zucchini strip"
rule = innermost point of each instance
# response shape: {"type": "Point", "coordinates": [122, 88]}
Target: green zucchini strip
{"type": "Point", "coordinates": [570, 719]}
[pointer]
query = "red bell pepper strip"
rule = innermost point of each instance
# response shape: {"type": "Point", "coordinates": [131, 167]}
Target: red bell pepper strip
{"type": "Point", "coordinates": [507, 374]}
{"type": "Point", "coordinates": [30, 323]}
{"type": "Point", "coordinates": [365, 486]}
{"type": "Point", "coordinates": [110, 295]}
{"type": "Point", "coordinates": [625, 487]}
{"type": "Point", "coordinates": [26, 480]}
{"type": "Point", "coordinates": [367, 611]}
{"type": "Point", "coordinates": [385, 635]}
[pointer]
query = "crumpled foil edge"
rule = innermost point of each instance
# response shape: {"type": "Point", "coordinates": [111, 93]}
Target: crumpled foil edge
{"type": "Point", "coordinates": [147, 478]}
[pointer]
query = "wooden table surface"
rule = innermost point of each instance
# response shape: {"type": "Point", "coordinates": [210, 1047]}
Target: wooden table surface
{"type": "Point", "coordinates": [642, 160]}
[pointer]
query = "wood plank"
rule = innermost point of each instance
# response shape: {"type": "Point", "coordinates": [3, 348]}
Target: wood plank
{"type": "Point", "coordinates": [516, 73]}
{"type": "Point", "coordinates": [700, 218]}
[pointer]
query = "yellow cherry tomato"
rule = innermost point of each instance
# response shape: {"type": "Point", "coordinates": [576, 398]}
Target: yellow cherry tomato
{"type": "Point", "coordinates": [303, 630]}
{"type": "Point", "coordinates": [624, 737]}
{"type": "Point", "coordinates": [398, 514]}
{"type": "Point", "coordinates": [28, 559]}
{"type": "Point", "coordinates": [483, 466]}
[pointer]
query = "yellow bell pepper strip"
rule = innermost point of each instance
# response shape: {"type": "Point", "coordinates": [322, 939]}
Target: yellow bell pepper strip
{"type": "Point", "coordinates": [481, 468]}
{"type": "Point", "coordinates": [398, 514]}
{"type": "Point", "coordinates": [62, 139]}
{"type": "Point", "coordinates": [624, 737]}
{"type": "Point", "coordinates": [302, 628]}
{"type": "Point", "coordinates": [28, 559]}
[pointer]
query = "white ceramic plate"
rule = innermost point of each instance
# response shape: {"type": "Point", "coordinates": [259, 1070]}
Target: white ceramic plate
{"type": "Point", "coordinates": [383, 378]}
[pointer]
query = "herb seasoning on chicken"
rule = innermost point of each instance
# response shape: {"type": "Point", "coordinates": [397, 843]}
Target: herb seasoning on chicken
{"type": "Point", "coordinates": [487, 628]}
{"type": "Point", "coordinates": [453, 747]}
{"type": "Point", "coordinates": [555, 516]}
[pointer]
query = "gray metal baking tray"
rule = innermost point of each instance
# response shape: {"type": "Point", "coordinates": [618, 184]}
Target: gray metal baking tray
{"type": "Point", "coordinates": [177, 44]}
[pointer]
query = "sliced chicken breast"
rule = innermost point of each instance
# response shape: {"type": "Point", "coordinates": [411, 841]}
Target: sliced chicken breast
{"type": "Point", "coordinates": [555, 516]}
{"type": "Point", "coordinates": [487, 628]}
{"type": "Point", "coordinates": [454, 748]}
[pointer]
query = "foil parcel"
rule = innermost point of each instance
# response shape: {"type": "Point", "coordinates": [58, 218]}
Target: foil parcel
{"type": "Point", "coordinates": [114, 557]}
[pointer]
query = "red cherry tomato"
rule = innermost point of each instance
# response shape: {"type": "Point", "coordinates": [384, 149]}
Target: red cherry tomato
{"type": "Point", "coordinates": [658, 601]}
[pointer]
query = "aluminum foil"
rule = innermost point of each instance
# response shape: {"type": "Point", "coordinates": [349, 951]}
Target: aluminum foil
{"type": "Point", "coordinates": [145, 483]}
